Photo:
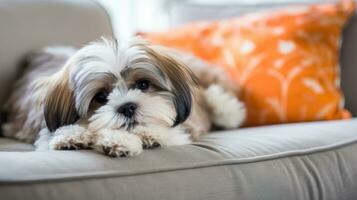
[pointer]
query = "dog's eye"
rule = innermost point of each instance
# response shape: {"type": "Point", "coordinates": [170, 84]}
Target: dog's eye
{"type": "Point", "coordinates": [142, 85]}
{"type": "Point", "coordinates": [101, 97]}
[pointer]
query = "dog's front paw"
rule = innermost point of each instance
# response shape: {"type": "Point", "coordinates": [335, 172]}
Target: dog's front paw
{"type": "Point", "coordinates": [117, 150]}
{"type": "Point", "coordinates": [149, 142]}
{"type": "Point", "coordinates": [116, 143]}
{"type": "Point", "coordinates": [71, 137]}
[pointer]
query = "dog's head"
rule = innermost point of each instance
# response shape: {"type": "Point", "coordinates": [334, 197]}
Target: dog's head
{"type": "Point", "coordinates": [119, 86]}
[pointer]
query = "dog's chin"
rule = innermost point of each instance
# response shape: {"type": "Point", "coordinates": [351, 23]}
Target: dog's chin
{"type": "Point", "coordinates": [130, 124]}
{"type": "Point", "coordinates": [133, 124]}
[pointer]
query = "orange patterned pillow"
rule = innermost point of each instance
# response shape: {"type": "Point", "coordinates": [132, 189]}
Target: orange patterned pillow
{"type": "Point", "coordinates": [286, 61]}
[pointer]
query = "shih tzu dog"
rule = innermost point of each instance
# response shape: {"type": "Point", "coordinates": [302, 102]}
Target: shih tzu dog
{"type": "Point", "coordinates": [119, 98]}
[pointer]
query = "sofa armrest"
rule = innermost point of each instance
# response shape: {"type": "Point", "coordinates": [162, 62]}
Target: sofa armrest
{"type": "Point", "coordinates": [30, 24]}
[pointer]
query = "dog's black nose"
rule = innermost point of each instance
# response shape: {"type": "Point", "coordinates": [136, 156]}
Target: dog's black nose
{"type": "Point", "coordinates": [128, 109]}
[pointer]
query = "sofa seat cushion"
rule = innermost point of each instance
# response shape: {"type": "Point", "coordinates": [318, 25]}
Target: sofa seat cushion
{"type": "Point", "coordinates": [11, 145]}
{"type": "Point", "coordinates": [297, 161]}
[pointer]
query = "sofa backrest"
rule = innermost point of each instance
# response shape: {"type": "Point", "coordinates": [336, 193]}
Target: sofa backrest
{"type": "Point", "coordinates": [182, 12]}
{"type": "Point", "coordinates": [349, 65]}
{"type": "Point", "coordinates": [31, 24]}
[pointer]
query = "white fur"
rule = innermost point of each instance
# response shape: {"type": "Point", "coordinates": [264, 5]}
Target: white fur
{"type": "Point", "coordinates": [228, 111]}
{"type": "Point", "coordinates": [69, 136]}
{"type": "Point", "coordinates": [151, 109]}
{"type": "Point", "coordinates": [43, 140]}
{"type": "Point", "coordinates": [165, 136]}
{"type": "Point", "coordinates": [118, 143]}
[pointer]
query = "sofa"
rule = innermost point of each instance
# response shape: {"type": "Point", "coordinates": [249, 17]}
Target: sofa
{"type": "Point", "coordinates": [312, 160]}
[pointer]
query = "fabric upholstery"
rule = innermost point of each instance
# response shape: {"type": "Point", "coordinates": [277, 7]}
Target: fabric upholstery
{"type": "Point", "coordinates": [13, 145]}
{"type": "Point", "coordinates": [296, 161]}
{"type": "Point", "coordinates": [28, 25]}
{"type": "Point", "coordinates": [349, 65]}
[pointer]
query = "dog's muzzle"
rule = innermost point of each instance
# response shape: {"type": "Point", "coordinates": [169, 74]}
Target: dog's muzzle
{"type": "Point", "coordinates": [128, 109]}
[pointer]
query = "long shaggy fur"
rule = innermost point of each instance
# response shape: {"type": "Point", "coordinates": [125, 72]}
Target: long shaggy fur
{"type": "Point", "coordinates": [119, 98]}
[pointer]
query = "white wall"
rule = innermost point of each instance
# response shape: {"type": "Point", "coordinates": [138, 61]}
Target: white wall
{"type": "Point", "coordinates": [130, 16]}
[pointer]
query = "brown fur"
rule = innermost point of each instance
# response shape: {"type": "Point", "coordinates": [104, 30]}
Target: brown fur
{"type": "Point", "coordinates": [59, 108]}
{"type": "Point", "coordinates": [183, 81]}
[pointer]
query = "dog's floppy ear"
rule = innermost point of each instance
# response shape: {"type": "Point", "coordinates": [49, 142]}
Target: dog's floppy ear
{"type": "Point", "coordinates": [181, 78]}
{"type": "Point", "coordinates": [59, 106]}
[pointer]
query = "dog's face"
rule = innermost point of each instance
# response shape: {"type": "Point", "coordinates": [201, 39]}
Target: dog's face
{"type": "Point", "coordinates": [109, 85]}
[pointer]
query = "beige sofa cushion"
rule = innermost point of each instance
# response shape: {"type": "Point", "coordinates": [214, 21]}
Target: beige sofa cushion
{"type": "Point", "coordinates": [297, 161]}
{"type": "Point", "coordinates": [11, 145]}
